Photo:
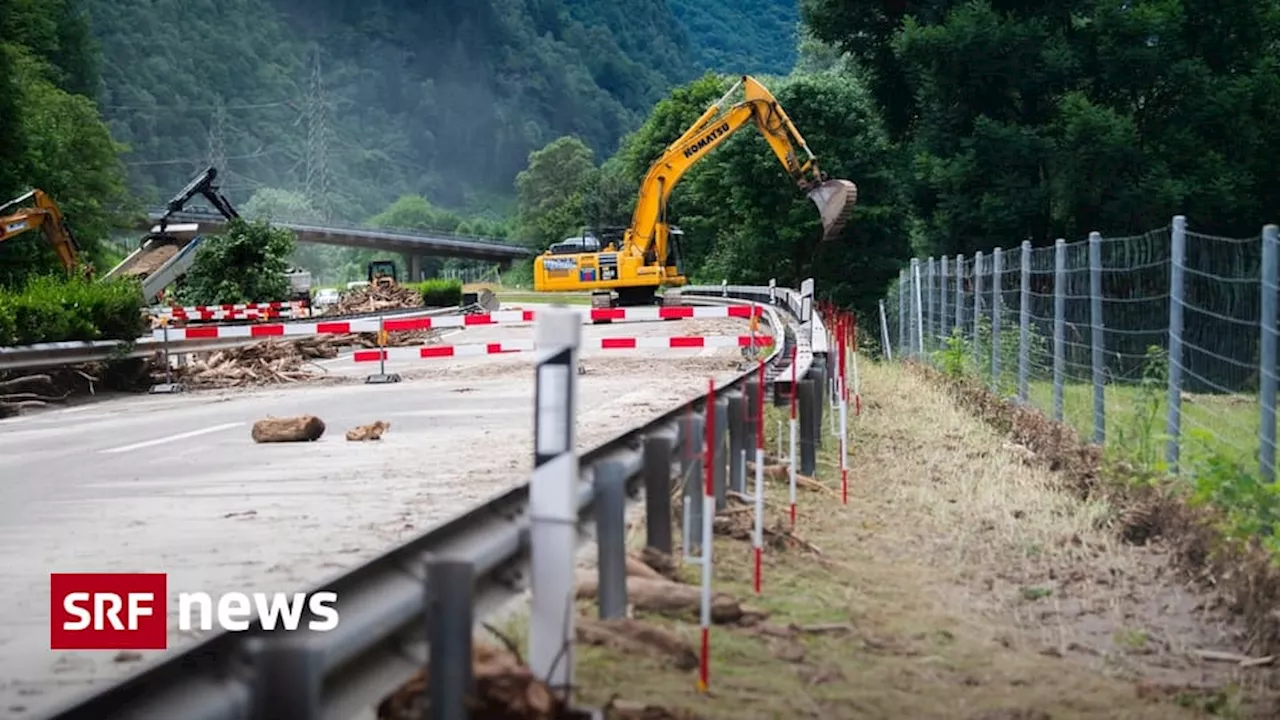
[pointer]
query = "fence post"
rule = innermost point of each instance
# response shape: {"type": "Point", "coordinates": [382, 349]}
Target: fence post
{"type": "Point", "coordinates": [931, 323]}
{"type": "Point", "coordinates": [1098, 339]}
{"type": "Point", "coordinates": [918, 315]}
{"type": "Point", "coordinates": [1177, 261]}
{"type": "Point", "coordinates": [450, 595]}
{"type": "Point", "coordinates": [997, 267]}
{"type": "Point", "coordinates": [1059, 323]}
{"type": "Point", "coordinates": [657, 491]}
{"type": "Point", "coordinates": [915, 307]}
{"type": "Point", "coordinates": [902, 314]}
{"type": "Point", "coordinates": [959, 296]}
{"type": "Point", "coordinates": [553, 498]}
{"type": "Point", "coordinates": [1024, 322]}
{"type": "Point", "coordinates": [944, 319]}
{"type": "Point", "coordinates": [884, 331]}
{"type": "Point", "coordinates": [1267, 427]}
{"type": "Point", "coordinates": [977, 297]}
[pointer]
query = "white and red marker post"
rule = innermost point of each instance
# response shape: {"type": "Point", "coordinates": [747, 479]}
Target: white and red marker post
{"type": "Point", "coordinates": [857, 380]}
{"type": "Point", "coordinates": [757, 539]}
{"type": "Point", "coordinates": [795, 439]}
{"type": "Point", "coordinates": [844, 412]}
{"type": "Point", "coordinates": [708, 516]}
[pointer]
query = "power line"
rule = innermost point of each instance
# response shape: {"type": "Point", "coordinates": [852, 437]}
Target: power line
{"type": "Point", "coordinates": [319, 181]}
{"type": "Point", "coordinates": [201, 108]}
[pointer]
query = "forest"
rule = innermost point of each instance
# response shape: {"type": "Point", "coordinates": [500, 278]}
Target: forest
{"type": "Point", "coordinates": [964, 124]}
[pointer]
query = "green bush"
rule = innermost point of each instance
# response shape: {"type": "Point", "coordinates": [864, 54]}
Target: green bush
{"type": "Point", "coordinates": [56, 309]}
{"type": "Point", "coordinates": [440, 293]}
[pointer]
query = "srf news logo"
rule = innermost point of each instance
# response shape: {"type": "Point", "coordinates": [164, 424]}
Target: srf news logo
{"type": "Point", "coordinates": [129, 611]}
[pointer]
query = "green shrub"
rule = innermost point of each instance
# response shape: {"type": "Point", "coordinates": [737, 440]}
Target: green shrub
{"type": "Point", "coordinates": [56, 309]}
{"type": "Point", "coordinates": [440, 293]}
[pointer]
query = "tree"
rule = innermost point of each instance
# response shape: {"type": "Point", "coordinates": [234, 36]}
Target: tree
{"type": "Point", "coordinates": [246, 263]}
{"type": "Point", "coordinates": [550, 192]}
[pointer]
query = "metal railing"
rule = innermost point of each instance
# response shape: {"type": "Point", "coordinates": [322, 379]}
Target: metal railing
{"type": "Point", "coordinates": [382, 639]}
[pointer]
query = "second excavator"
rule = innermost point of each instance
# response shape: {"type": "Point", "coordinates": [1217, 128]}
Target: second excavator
{"type": "Point", "coordinates": [648, 255]}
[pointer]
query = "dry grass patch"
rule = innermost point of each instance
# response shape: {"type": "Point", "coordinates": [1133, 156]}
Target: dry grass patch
{"type": "Point", "coordinates": [965, 579]}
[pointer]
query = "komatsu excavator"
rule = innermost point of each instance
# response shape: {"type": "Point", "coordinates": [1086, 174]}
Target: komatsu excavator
{"type": "Point", "coordinates": [648, 254]}
{"type": "Point", "coordinates": [42, 214]}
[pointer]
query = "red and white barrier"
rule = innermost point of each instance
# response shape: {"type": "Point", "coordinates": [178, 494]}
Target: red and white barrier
{"type": "Point", "coordinates": [502, 317]}
{"type": "Point", "coordinates": [515, 346]}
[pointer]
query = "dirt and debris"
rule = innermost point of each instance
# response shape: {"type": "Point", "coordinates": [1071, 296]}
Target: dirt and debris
{"type": "Point", "coordinates": [21, 391]}
{"type": "Point", "coordinates": [152, 260]}
{"type": "Point", "coordinates": [372, 431]}
{"type": "Point", "coordinates": [281, 361]}
{"type": "Point", "coordinates": [302, 428]}
{"type": "Point", "coordinates": [375, 298]}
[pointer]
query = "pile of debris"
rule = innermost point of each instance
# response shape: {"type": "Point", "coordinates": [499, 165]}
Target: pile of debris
{"type": "Point", "coordinates": [375, 298]}
{"type": "Point", "coordinates": [272, 361]}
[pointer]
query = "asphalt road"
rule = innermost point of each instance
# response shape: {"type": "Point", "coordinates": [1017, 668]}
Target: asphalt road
{"type": "Point", "coordinates": [174, 483]}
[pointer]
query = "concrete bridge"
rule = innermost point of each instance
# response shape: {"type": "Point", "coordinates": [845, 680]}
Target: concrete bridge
{"type": "Point", "coordinates": [414, 244]}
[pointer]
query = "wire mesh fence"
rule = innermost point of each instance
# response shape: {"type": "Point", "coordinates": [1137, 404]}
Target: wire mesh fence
{"type": "Point", "coordinates": [1159, 346]}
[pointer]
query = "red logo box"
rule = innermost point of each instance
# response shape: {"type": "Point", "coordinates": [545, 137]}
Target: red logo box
{"type": "Point", "coordinates": [108, 611]}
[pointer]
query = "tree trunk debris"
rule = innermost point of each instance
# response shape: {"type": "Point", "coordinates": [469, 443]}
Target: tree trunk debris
{"type": "Point", "coordinates": [674, 599]}
{"type": "Point", "coordinates": [368, 432]}
{"type": "Point", "coordinates": [374, 298]}
{"type": "Point", "coordinates": [303, 428]}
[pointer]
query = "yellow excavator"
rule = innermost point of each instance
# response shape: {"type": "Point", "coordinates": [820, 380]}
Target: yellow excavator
{"type": "Point", "coordinates": [42, 214]}
{"type": "Point", "coordinates": [647, 257]}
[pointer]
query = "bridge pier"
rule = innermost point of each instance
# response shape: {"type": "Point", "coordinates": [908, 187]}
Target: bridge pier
{"type": "Point", "coordinates": [415, 268]}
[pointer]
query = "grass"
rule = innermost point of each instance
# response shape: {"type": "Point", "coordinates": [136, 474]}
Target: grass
{"type": "Point", "coordinates": [550, 297]}
{"type": "Point", "coordinates": [972, 582]}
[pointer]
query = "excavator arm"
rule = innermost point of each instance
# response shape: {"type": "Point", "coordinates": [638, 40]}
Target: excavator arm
{"type": "Point", "coordinates": [44, 215]}
{"type": "Point", "coordinates": [835, 198]}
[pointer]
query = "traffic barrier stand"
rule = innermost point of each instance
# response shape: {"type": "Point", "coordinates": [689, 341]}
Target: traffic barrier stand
{"type": "Point", "coordinates": [519, 346]}
{"type": "Point", "coordinates": [382, 377]}
{"type": "Point", "coordinates": [168, 386]}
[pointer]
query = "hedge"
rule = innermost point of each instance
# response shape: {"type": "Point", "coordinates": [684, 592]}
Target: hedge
{"type": "Point", "coordinates": [440, 293]}
{"type": "Point", "coordinates": [56, 309]}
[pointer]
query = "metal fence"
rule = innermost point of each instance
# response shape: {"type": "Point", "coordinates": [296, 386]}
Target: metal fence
{"type": "Point", "coordinates": [417, 603]}
{"type": "Point", "coordinates": [1160, 345]}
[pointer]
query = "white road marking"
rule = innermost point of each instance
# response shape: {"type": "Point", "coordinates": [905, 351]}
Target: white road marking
{"type": "Point", "coordinates": [171, 438]}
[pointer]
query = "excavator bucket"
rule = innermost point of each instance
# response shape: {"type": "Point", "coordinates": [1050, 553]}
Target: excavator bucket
{"type": "Point", "coordinates": [835, 200]}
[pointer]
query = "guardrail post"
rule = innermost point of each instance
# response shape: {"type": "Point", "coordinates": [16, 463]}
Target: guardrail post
{"type": "Point", "coordinates": [657, 491]}
{"type": "Point", "coordinates": [737, 448]}
{"type": "Point", "coordinates": [553, 498]}
{"type": "Point", "coordinates": [1059, 324]}
{"type": "Point", "coordinates": [721, 452]}
{"type": "Point", "coordinates": [1024, 322]}
{"type": "Point", "coordinates": [773, 291]}
{"type": "Point", "coordinates": [724, 288]}
{"type": "Point", "coordinates": [1267, 387]}
{"type": "Point", "coordinates": [997, 267]}
{"type": "Point", "coordinates": [806, 307]}
{"type": "Point", "coordinates": [450, 597]}
{"type": "Point", "coordinates": [611, 538]}
{"type": "Point", "coordinates": [290, 683]}
{"type": "Point", "coordinates": [1097, 339]}
{"type": "Point", "coordinates": [1177, 261]}
{"type": "Point", "coordinates": [692, 516]}
{"type": "Point", "coordinates": [818, 371]}
{"type": "Point", "coordinates": [808, 454]}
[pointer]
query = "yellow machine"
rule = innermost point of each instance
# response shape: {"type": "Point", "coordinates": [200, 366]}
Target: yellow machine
{"type": "Point", "coordinates": [42, 214]}
{"type": "Point", "coordinates": [644, 259]}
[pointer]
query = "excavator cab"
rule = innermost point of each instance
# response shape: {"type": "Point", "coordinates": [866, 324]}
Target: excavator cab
{"type": "Point", "coordinates": [835, 200]}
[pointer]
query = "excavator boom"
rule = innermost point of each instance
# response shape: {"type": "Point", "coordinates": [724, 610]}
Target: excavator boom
{"type": "Point", "coordinates": [644, 261]}
{"type": "Point", "coordinates": [42, 214]}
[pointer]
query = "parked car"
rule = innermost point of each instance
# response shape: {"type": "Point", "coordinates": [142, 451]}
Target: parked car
{"type": "Point", "coordinates": [325, 297]}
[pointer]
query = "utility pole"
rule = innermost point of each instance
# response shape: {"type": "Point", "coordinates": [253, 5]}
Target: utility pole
{"type": "Point", "coordinates": [319, 180]}
{"type": "Point", "coordinates": [218, 138]}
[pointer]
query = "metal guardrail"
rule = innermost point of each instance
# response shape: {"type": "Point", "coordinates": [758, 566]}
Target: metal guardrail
{"type": "Point", "coordinates": [47, 355]}
{"type": "Point", "coordinates": [381, 639]}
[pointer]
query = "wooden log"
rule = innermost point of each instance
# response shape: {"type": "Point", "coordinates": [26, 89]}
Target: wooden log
{"type": "Point", "coordinates": [663, 597]}
{"type": "Point", "coordinates": [303, 428]}
{"type": "Point", "coordinates": [636, 637]}
{"type": "Point", "coordinates": [372, 431]}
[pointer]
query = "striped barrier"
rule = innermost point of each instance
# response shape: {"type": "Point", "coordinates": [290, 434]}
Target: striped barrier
{"type": "Point", "coordinates": [610, 343]}
{"type": "Point", "coordinates": [501, 317]}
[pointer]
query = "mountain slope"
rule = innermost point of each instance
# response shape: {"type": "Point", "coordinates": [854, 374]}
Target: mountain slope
{"type": "Point", "coordinates": [444, 99]}
{"type": "Point", "coordinates": [741, 37]}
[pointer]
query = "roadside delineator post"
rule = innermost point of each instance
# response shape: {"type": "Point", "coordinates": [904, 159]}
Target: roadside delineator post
{"type": "Point", "coordinates": [704, 558]}
{"type": "Point", "coordinates": [168, 386]}
{"type": "Point", "coordinates": [553, 498]}
{"type": "Point", "coordinates": [844, 413]}
{"type": "Point", "coordinates": [857, 379]}
{"type": "Point", "coordinates": [758, 536]}
{"type": "Point", "coordinates": [382, 378]}
{"type": "Point", "coordinates": [795, 440]}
